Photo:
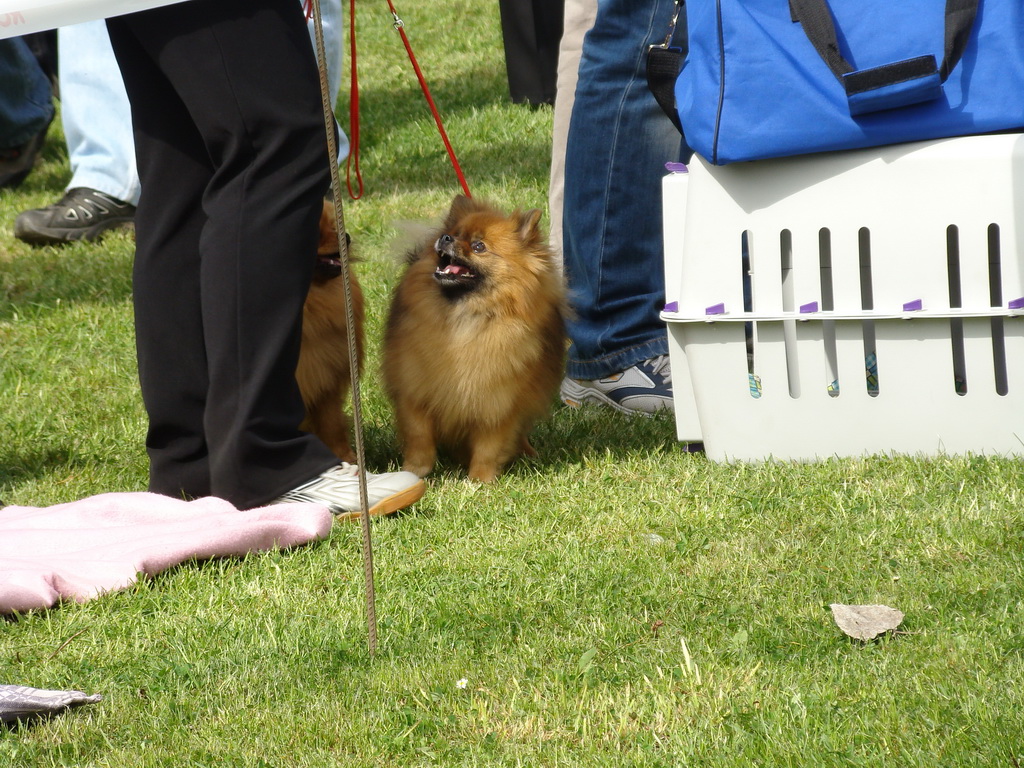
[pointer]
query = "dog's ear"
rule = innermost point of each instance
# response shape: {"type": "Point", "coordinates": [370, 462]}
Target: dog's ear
{"type": "Point", "coordinates": [461, 206]}
{"type": "Point", "coordinates": [528, 225]}
{"type": "Point", "coordinates": [328, 230]}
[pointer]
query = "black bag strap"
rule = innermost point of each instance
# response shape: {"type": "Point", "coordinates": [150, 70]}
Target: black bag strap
{"type": "Point", "coordinates": [663, 67]}
{"type": "Point", "coordinates": [960, 15]}
{"type": "Point", "coordinates": [664, 62]}
{"type": "Point", "coordinates": [903, 76]}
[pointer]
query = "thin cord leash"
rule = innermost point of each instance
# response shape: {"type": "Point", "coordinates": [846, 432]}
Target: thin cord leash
{"type": "Point", "coordinates": [357, 410]}
{"type": "Point", "coordinates": [352, 161]}
{"type": "Point", "coordinates": [400, 26]}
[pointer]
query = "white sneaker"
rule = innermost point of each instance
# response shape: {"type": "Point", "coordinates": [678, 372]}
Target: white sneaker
{"type": "Point", "coordinates": [338, 489]}
{"type": "Point", "coordinates": [644, 388]}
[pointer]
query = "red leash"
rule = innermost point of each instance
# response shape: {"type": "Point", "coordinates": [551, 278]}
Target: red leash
{"type": "Point", "coordinates": [353, 112]}
{"type": "Point", "coordinates": [400, 26]}
{"type": "Point", "coordinates": [353, 109]}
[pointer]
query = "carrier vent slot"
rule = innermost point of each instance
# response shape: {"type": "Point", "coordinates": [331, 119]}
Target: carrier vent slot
{"type": "Point", "coordinates": [789, 305]}
{"type": "Point", "coordinates": [828, 327]}
{"type": "Point", "coordinates": [956, 325]}
{"type": "Point", "coordinates": [867, 302]}
{"type": "Point", "coordinates": [748, 301]}
{"type": "Point", "coordinates": [995, 289]}
{"type": "Point", "coordinates": [746, 280]}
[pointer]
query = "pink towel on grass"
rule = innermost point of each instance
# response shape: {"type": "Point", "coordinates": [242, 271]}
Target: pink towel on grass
{"type": "Point", "coordinates": [83, 548]}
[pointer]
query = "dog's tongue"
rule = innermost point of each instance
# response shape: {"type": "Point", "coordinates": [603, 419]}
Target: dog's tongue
{"type": "Point", "coordinates": [454, 269]}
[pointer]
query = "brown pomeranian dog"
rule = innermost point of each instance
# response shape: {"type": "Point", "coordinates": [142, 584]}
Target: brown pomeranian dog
{"type": "Point", "coordinates": [475, 341]}
{"type": "Point", "coordinates": [324, 372]}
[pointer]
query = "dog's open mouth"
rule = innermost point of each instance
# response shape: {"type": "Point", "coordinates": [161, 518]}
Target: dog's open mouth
{"type": "Point", "coordinates": [328, 266]}
{"type": "Point", "coordinates": [452, 272]}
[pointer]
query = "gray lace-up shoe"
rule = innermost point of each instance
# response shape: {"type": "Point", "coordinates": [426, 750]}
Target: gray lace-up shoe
{"type": "Point", "coordinates": [82, 214]}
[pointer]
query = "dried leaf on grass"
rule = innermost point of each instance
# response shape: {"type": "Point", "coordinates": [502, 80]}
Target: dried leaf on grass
{"type": "Point", "coordinates": [866, 622]}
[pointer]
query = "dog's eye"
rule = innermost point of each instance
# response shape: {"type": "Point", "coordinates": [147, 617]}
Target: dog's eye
{"type": "Point", "coordinates": [478, 246]}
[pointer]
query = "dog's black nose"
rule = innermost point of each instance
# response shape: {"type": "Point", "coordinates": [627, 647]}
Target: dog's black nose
{"type": "Point", "coordinates": [446, 240]}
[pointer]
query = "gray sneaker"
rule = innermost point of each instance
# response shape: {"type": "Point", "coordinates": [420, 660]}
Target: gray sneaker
{"type": "Point", "coordinates": [338, 489]}
{"type": "Point", "coordinates": [644, 388]}
{"type": "Point", "coordinates": [82, 214]}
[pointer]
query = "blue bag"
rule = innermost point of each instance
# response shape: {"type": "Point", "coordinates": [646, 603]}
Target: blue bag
{"type": "Point", "coordinates": [767, 78]}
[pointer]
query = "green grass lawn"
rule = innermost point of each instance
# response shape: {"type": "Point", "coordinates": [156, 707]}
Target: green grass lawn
{"type": "Point", "coordinates": [614, 602]}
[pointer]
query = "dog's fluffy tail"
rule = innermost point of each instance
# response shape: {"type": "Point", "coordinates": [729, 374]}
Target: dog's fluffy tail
{"type": "Point", "coordinates": [409, 238]}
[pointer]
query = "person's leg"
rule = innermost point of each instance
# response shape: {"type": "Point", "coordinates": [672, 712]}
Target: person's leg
{"type": "Point", "coordinates": [166, 281]}
{"type": "Point", "coordinates": [579, 17]}
{"type": "Point", "coordinates": [44, 47]}
{"type": "Point", "coordinates": [618, 143]}
{"type": "Point", "coordinates": [530, 31]}
{"type": "Point", "coordinates": [26, 103]}
{"type": "Point", "coordinates": [251, 113]}
{"type": "Point", "coordinates": [334, 40]}
{"type": "Point", "coordinates": [26, 109]}
{"type": "Point", "coordinates": [95, 113]}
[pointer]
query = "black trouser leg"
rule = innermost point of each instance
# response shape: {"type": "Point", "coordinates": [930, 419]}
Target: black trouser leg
{"type": "Point", "coordinates": [531, 31]}
{"type": "Point", "coordinates": [233, 164]}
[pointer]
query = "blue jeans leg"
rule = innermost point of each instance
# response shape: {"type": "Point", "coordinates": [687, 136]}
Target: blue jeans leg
{"type": "Point", "coordinates": [334, 36]}
{"type": "Point", "coordinates": [95, 113]}
{"type": "Point", "coordinates": [619, 141]}
{"type": "Point", "coordinates": [97, 117]}
{"type": "Point", "coordinates": [26, 103]}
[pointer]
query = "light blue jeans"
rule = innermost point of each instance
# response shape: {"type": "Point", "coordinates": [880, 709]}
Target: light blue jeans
{"type": "Point", "coordinates": [619, 141]}
{"type": "Point", "coordinates": [96, 115]}
{"type": "Point", "coordinates": [26, 103]}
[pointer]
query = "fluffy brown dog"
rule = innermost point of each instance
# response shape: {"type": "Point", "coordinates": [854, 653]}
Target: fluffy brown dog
{"type": "Point", "coordinates": [324, 372]}
{"type": "Point", "coordinates": [475, 340]}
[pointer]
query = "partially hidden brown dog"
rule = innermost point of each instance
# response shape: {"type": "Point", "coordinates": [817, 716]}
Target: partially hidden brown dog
{"type": "Point", "coordinates": [475, 340]}
{"type": "Point", "coordinates": [324, 371]}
